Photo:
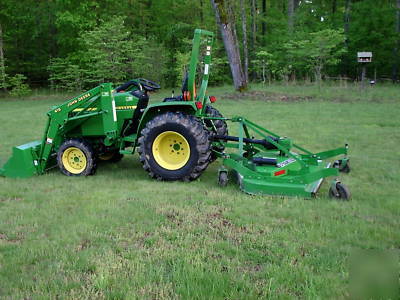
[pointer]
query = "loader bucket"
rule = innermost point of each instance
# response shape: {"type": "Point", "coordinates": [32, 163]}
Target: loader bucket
{"type": "Point", "coordinates": [23, 162]}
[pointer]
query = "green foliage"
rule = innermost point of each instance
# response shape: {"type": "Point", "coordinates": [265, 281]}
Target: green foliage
{"type": "Point", "coordinates": [64, 75]}
{"type": "Point", "coordinates": [320, 49]}
{"type": "Point", "coordinates": [373, 30]}
{"type": "Point", "coordinates": [4, 81]}
{"type": "Point", "coordinates": [148, 38]}
{"type": "Point", "coordinates": [181, 68]}
{"type": "Point", "coordinates": [18, 85]}
{"type": "Point", "coordinates": [268, 66]}
{"type": "Point", "coordinates": [304, 53]}
{"type": "Point", "coordinates": [110, 53]}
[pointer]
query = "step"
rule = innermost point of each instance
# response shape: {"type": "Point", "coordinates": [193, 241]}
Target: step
{"type": "Point", "coordinates": [130, 138]}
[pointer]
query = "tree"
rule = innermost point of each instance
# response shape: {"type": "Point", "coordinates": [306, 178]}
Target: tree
{"type": "Point", "coordinates": [18, 86]}
{"type": "Point", "coordinates": [321, 49]}
{"type": "Point", "coordinates": [245, 48]}
{"type": "Point", "coordinates": [347, 20]}
{"type": "Point", "coordinates": [397, 47]}
{"type": "Point", "coordinates": [264, 17]}
{"type": "Point", "coordinates": [225, 21]}
{"type": "Point", "coordinates": [2, 64]}
{"type": "Point", "coordinates": [290, 14]}
{"type": "Point", "coordinates": [292, 6]}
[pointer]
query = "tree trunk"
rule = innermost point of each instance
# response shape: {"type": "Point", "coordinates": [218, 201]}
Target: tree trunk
{"type": "Point", "coordinates": [398, 17]}
{"type": "Point", "coordinates": [245, 48]}
{"type": "Point", "coordinates": [264, 23]}
{"type": "Point", "coordinates": [334, 7]}
{"type": "Point", "coordinates": [290, 14]}
{"type": "Point", "coordinates": [201, 12]}
{"type": "Point", "coordinates": [396, 53]}
{"type": "Point", "coordinates": [292, 7]}
{"type": "Point", "coordinates": [296, 4]}
{"type": "Point", "coordinates": [347, 21]}
{"type": "Point", "coordinates": [346, 28]}
{"type": "Point", "coordinates": [253, 34]}
{"type": "Point", "coordinates": [223, 15]}
{"type": "Point", "coordinates": [2, 65]}
{"type": "Point", "coordinates": [253, 24]}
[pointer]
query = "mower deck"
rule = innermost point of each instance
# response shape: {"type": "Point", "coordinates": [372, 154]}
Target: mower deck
{"type": "Point", "coordinates": [272, 180]}
{"type": "Point", "coordinates": [268, 165]}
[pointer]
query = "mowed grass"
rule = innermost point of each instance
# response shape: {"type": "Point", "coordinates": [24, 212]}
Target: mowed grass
{"type": "Point", "coordinates": [119, 234]}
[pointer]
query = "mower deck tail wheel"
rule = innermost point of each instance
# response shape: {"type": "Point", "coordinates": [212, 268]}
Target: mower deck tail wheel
{"type": "Point", "coordinates": [174, 146]}
{"type": "Point", "coordinates": [223, 179]}
{"type": "Point", "coordinates": [76, 158]}
{"type": "Point", "coordinates": [342, 192]}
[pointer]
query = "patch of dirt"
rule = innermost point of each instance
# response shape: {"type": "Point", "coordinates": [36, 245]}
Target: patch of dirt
{"type": "Point", "coordinates": [84, 244]}
{"type": "Point", "coordinates": [217, 220]}
{"type": "Point", "coordinates": [5, 239]}
{"type": "Point", "coordinates": [9, 199]}
{"type": "Point", "coordinates": [266, 96]}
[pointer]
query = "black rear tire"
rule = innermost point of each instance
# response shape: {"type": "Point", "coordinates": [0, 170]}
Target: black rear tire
{"type": "Point", "coordinates": [220, 126]}
{"type": "Point", "coordinates": [76, 157]}
{"type": "Point", "coordinates": [193, 132]}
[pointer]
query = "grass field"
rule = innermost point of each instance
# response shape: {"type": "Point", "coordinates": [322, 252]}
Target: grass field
{"type": "Point", "coordinates": [119, 234]}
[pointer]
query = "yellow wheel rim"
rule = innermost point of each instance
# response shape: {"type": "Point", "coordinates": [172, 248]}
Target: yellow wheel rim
{"type": "Point", "coordinates": [74, 160]}
{"type": "Point", "coordinates": [171, 150]}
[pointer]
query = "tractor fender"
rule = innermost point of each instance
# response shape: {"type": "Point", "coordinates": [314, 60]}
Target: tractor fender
{"type": "Point", "coordinates": [163, 107]}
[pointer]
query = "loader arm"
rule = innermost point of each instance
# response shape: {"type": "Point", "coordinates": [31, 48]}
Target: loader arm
{"type": "Point", "coordinates": [35, 157]}
{"type": "Point", "coordinates": [60, 115]}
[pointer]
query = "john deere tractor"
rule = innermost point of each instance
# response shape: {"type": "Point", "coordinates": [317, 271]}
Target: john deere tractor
{"type": "Point", "coordinates": [176, 139]}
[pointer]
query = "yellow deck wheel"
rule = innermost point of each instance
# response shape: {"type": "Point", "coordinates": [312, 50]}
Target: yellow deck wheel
{"type": "Point", "coordinates": [171, 150]}
{"type": "Point", "coordinates": [74, 160]}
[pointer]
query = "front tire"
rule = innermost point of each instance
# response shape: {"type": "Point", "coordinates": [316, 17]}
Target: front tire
{"type": "Point", "coordinates": [76, 157]}
{"type": "Point", "coordinates": [174, 146]}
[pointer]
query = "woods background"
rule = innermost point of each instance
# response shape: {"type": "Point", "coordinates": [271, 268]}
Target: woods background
{"type": "Point", "coordinates": [72, 45]}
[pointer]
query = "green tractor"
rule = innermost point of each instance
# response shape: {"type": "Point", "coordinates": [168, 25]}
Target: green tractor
{"type": "Point", "coordinates": [176, 139]}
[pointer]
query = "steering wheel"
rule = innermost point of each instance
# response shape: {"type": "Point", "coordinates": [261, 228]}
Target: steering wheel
{"type": "Point", "coordinates": [140, 83]}
{"type": "Point", "coordinates": [148, 85]}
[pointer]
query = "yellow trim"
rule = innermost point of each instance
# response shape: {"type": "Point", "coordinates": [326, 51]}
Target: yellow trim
{"type": "Point", "coordinates": [89, 109]}
{"type": "Point", "coordinates": [125, 107]}
{"type": "Point", "coordinates": [74, 160]}
{"type": "Point", "coordinates": [171, 150]}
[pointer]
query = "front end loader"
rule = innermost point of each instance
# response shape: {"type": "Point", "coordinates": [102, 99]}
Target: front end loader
{"type": "Point", "coordinates": [176, 139]}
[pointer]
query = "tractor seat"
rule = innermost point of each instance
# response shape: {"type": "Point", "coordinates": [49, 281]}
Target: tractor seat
{"type": "Point", "coordinates": [170, 99]}
{"type": "Point", "coordinates": [140, 108]}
